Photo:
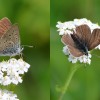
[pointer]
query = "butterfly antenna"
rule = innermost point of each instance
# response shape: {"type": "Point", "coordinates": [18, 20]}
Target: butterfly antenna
{"type": "Point", "coordinates": [27, 46]}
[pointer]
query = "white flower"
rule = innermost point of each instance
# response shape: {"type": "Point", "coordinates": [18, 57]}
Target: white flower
{"type": "Point", "coordinates": [72, 59]}
{"type": "Point", "coordinates": [78, 22]}
{"type": "Point", "coordinates": [7, 95]}
{"type": "Point", "coordinates": [67, 27]}
{"type": "Point", "coordinates": [85, 59]}
{"type": "Point", "coordinates": [60, 25]}
{"type": "Point", "coordinates": [65, 50]}
{"type": "Point", "coordinates": [11, 71]}
{"type": "Point", "coordinates": [98, 47]}
{"type": "Point", "coordinates": [61, 28]}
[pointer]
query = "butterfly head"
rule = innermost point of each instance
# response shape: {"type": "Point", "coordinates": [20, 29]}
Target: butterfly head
{"type": "Point", "coordinates": [84, 50]}
{"type": "Point", "coordinates": [86, 53]}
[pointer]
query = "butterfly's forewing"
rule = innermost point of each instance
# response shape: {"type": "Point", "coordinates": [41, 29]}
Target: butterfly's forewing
{"type": "Point", "coordinates": [83, 32]}
{"type": "Point", "coordinates": [10, 41]}
{"type": "Point", "coordinates": [94, 39]}
{"type": "Point", "coordinates": [67, 40]}
{"type": "Point", "coordinates": [12, 34]}
{"type": "Point", "coordinates": [5, 24]}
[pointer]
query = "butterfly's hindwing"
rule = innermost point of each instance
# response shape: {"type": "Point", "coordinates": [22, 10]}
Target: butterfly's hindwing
{"type": "Point", "coordinates": [67, 40]}
{"type": "Point", "coordinates": [10, 42]}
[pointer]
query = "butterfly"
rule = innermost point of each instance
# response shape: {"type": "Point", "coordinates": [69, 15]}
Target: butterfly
{"type": "Point", "coordinates": [82, 40]}
{"type": "Point", "coordinates": [9, 38]}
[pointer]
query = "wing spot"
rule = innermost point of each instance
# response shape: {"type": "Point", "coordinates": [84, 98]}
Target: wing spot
{"type": "Point", "coordinates": [9, 34]}
{"type": "Point", "coordinates": [4, 42]}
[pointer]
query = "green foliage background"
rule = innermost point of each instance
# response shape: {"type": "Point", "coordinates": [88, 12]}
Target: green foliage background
{"type": "Point", "coordinates": [85, 84]}
{"type": "Point", "coordinates": [33, 18]}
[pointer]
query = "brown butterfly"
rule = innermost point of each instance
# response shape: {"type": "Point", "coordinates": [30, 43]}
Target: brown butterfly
{"type": "Point", "coordinates": [9, 38]}
{"type": "Point", "coordinates": [82, 41]}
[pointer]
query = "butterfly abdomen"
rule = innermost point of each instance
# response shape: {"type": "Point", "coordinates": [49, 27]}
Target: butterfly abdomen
{"type": "Point", "coordinates": [81, 45]}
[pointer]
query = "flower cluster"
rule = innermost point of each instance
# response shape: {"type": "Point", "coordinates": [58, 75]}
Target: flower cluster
{"type": "Point", "coordinates": [67, 28]}
{"type": "Point", "coordinates": [7, 95]}
{"type": "Point", "coordinates": [11, 71]}
{"type": "Point", "coordinates": [82, 59]}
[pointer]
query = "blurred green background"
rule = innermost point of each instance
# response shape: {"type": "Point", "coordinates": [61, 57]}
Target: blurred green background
{"type": "Point", "coordinates": [85, 84]}
{"type": "Point", "coordinates": [33, 18]}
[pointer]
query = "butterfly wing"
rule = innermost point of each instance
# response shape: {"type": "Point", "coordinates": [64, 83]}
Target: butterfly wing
{"type": "Point", "coordinates": [94, 40]}
{"type": "Point", "coordinates": [74, 51]}
{"type": "Point", "coordinates": [5, 24]}
{"type": "Point", "coordinates": [67, 40]}
{"type": "Point", "coordinates": [12, 34]}
{"type": "Point", "coordinates": [83, 32]}
{"type": "Point", "coordinates": [10, 41]}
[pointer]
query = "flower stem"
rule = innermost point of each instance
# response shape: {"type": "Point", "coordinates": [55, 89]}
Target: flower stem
{"type": "Point", "coordinates": [70, 75]}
